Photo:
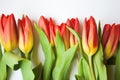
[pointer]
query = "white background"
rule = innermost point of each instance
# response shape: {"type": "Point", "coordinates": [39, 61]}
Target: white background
{"type": "Point", "coordinates": [108, 11]}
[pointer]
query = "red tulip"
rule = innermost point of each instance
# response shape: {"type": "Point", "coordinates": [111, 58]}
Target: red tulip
{"type": "Point", "coordinates": [89, 36]}
{"type": "Point", "coordinates": [110, 39]}
{"type": "Point", "coordinates": [25, 35]}
{"type": "Point", "coordinates": [65, 34]}
{"type": "Point", "coordinates": [8, 32]}
{"type": "Point", "coordinates": [44, 25]}
{"type": "Point", "coordinates": [52, 31]}
{"type": "Point", "coordinates": [49, 28]}
{"type": "Point", "coordinates": [75, 25]}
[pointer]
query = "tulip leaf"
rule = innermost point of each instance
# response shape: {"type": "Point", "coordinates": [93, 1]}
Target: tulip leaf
{"type": "Point", "coordinates": [99, 66]}
{"type": "Point", "coordinates": [11, 60]}
{"type": "Point", "coordinates": [64, 59]}
{"type": "Point", "coordinates": [15, 62]}
{"type": "Point", "coordinates": [26, 69]}
{"type": "Point", "coordinates": [117, 69]}
{"type": "Point", "coordinates": [84, 70]}
{"type": "Point", "coordinates": [48, 52]}
{"type": "Point", "coordinates": [99, 31]}
{"type": "Point", "coordinates": [38, 72]}
{"type": "Point", "coordinates": [3, 71]}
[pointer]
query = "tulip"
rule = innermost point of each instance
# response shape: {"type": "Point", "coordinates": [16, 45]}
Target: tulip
{"type": "Point", "coordinates": [89, 36]}
{"type": "Point", "coordinates": [110, 39]}
{"type": "Point", "coordinates": [52, 28]}
{"type": "Point", "coordinates": [49, 28]}
{"type": "Point", "coordinates": [8, 32]}
{"type": "Point", "coordinates": [65, 34]}
{"type": "Point", "coordinates": [75, 25]}
{"type": "Point", "coordinates": [25, 35]}
{"type": "Point", "coordinates": [44, 25]}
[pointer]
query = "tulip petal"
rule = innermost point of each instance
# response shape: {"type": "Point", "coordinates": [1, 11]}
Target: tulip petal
{"type": "Point", "coordinates": [106, 33]}
{"type": "Point", "coordinates": [52, 31]}
{"type": "Point", "coordinates": [85, 37]}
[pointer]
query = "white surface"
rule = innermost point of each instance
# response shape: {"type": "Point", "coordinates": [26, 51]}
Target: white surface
{"type": "Point", "coordinates": [108, 11]}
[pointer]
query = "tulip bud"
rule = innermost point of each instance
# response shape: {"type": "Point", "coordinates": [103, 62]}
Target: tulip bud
{"type": "Point", "coordinates": [25, 35]}
{"type": "Point", "coordinates": [65, 34]}
{"type": "Point", "coordinates": [52, 31]}
{"type": "Point", "coordinates": [8, 32]}
{"type": "Point", "coordinates": [75, 25]}
{"type": "Point", "coordinates": [110, 39]}
{"type": "Point", "coordinates": [44, 25]}
{"type": "Point", "coordinates": [89, 36]}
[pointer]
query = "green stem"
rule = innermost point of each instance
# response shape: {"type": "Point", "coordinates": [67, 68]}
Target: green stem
{"type": "Point", "coordinates": [91, 67]}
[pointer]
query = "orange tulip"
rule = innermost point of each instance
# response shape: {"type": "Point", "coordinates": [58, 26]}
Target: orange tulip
{"type": "Point", "coordinates": [25, 35]}
{"type": "Point", "coordinates": [89, 36]}
{"type": "Point", "coordinates": [65, 34]}
{"type": "Point", "coordinates": [110, 39]}
{"type": "Point", "coordinates": [8, 32]}
{"type": "Point", "coordinates": [75, 25]}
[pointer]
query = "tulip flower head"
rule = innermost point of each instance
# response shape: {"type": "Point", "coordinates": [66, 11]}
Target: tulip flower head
{"type": "Point", "coordinates": [110, 39]}
{"type": "Point", "coordinates": [48, 26]}
{"type": "Point", "coordinates": [89, 36]}
{"type": "Point", "coordinates": [75, 25]}
{"type": "Point", "coordinates": [52, 28]}
{"type": "Point", "coordinates": [65, 34]}
{"type": "Point", "coordinates": [44, 25]}
{"type": "Point", "coordinates": [8, 32]}
{"type": "Point", "coordinates": [25, 35]}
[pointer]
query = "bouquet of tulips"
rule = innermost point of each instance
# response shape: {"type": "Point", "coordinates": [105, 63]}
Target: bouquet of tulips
{"type": "Point", "coordinates": [91, 48]}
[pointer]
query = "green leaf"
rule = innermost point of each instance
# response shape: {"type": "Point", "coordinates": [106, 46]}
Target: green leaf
{"type": "Point", "coordinates": [77, 77]}
{"type": "Point", "coordinates": [99, 31]}
{"type": "Point", "coordinates": [98, 61]}
{"type": "Point", "coordinates": [64, 59]}
{"type": "Point", "coordinates": [38, 72]}
{"type": "Point", "coordinates": [60, 47]}
{"type": "Point", "coordinates": [48, 52]}
{"type": "Point", "coordinates": [84, 70]}
{"type": "Point", "coordinates": [3, 72]}
{"type": "Point", "coordinates": [69, 55]}
{"type": "Point", "coordinates": [117, 68]}
{"type": "Point", "coordinates": [26, 69]}
{"type": "Point", "coordinates": [10, 59]}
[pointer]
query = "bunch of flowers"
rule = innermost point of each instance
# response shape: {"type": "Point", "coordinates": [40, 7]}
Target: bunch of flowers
{"type": "Point", "coordinates": [61, 44]}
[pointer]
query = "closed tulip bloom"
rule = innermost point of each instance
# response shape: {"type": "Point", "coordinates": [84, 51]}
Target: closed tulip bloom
{"type": "Point", "coordinates": [110, 39]}
{"type": "Point", "coordinates": [52, 28]}
{"type": "Point", "coordinates": [89, 36]}
{"type": "Point", "coordinates": [75, 25]}
{"type": "Point", "coordinates": [8, 32]}
{"type": "Point", "coordinates": [25, 35]}
{"type": "Point", "coordinates": [44, 25]}
{"type": "Point", "coordinates": [65, 34]}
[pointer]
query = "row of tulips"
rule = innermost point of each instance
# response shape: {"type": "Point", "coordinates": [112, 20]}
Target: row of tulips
{"type": "Point", "coordinates": [11, 35]}
{"type": "Point", "coordinates": [60, 44]}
